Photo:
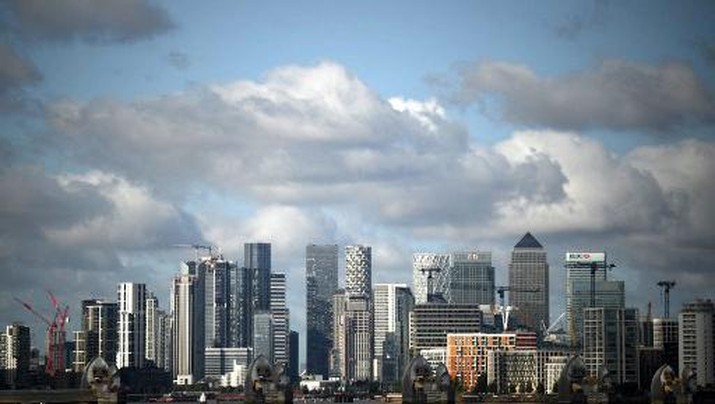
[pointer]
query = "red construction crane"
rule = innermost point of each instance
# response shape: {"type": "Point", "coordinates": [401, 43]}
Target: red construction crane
{"type": "Point", "coordinates": [55, 338]}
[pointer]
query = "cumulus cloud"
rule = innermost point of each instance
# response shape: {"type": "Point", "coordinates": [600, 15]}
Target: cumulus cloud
{"type": "Point", "coordinates": [322, 156]}
{"type": "Point", "coordinates": [616, 95]}
{"type": "Point", "coordinates": [80, 235]}
{"type": "Point", "coordinates": [90, 21]}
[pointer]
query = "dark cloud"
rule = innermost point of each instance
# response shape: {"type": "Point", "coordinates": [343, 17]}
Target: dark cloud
{"type": "Point", "coordinates": [179, 60]}
{"type": "Point", "coordinates": [15, 70]}
{"type": "Point", "coordinates": [91, 21]}
{"type": "Point", "coordinates": [616, 95]}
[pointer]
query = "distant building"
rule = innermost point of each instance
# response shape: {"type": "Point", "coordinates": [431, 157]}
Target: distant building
{"type": "Point", "coordinates": [220, 361]}
{"type": "Point", "coordinates": [529, 283]}
{"type": "Point", "coordinates": [188, 325]}
{"type": "Point", "coordinates": [357, 318]}
{"type": "Point", "coordinates": [430, 324]}
{"type": "Point", "coordinates": [294, 359]}
{"type": "Point", "coordinates": [523, 371]}
{"type": "Point", "coordinates": [392, 305]}
{"type": "Point", "coordinates": [216, 274]}
{"type": "Point", "coordinates": [131, 301]}
{"type": "Point", "coordinates": [98, 335]}
{"type": "Point", "coordinates": [610, 339]}
{"type": "Point", "coordinates": [608, 294]}
{"type": "Point", "coordinates": [665, 338]}
{"type": "Point", "coordinates": [152, 328]}
{"type": "Point", "coordinates": [467, 352]}
{"type": "Point", "coordinates": [338, 360]}
{"type": "Point", "coordinates": [263, 334]}
{"type": "Point", "coordinates": [321, 277]}
{"type": "Point", "coordinates": [281, 318]}
{"type": "Point", "coordinates": [15, 355]}
{"type": "Point", "coordinates": [257, 258]}
{"type": "Point", "coordinates": [464, 277]}
{"type": "Point", "coordinates": [697, 339]}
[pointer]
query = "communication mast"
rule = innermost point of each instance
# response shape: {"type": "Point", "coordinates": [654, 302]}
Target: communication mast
{"type": "Point", "coordinates": [666, 286]}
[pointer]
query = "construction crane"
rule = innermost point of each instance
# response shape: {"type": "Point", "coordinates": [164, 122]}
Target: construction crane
{"type": "Point", "coordinates": [594, 268]}
{"type": "Point", "coordinates": [55, 338]}
{"type": "Point", "coordinates": [196, 248]}
{"type": "Point", "coordinates": [430, 291]}
{"type": "Point", "coordinates": [666, 286]}
{"type": "Point", "coordinates": [501, 290]}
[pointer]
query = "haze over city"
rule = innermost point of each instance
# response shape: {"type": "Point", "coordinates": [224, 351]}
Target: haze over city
{"type": "Point", "coordinates": [128, 127]}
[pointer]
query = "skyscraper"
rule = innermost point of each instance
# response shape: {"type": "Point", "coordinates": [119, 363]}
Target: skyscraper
{"type": "Point", "coordinates": [697, 340]}
{"type": "Point", "coordinates": [217, 300]}
{"type": "Point", "coordinates": [338, 354]}
{"type": "Point", "coordinates": [281, 326]}
{"type": "Point", "coordinates": [98, 336]}
{"type": "Point", "coordinates": [358, 316]}
{"type": "Point", "coordinates": [529, 270]}
{"type": "Point", "coordinates": [131, 300]}
{"type": "Point", "coordinates": [608, 294]}
{"type": "Point", "coordinates": [321, 277]}
{"type": "Point", "coordinates": [392, 304]}
{"type": "Point", "coordinates": [15, 358]}
{"type": "Point", "coordinates": [188, 325]}
{"type": "Point", "coordinates": [152, 329]}
{"type": "Point", "coordinates": [263, 334]}
{"type": "Point", "coordinates": [257, 258]}
{"type": "Point", "coordinates": [462, 277]}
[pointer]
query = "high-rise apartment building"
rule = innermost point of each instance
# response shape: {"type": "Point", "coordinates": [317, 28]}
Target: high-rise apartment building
{"type": "Point", "coordinates": [358, 271]}
{"type": "Point", "coordinates": [392, 304]}
{"type": "Point", "coordinates": [217, 300]}
{"type": "Point", "coordinates": [610, 340]}
{"type": "Point", "coordinates": [188, 329]}
{"type": "Point", "coordinates": [281, 318]}
{"type": "Point", "coordinates": [665, 338]}
{"type": "Point", "coordinates": [263, 334]}
{"type": "Point", "coordinates": [152, 328]}
{"type": "Point", "coordinates": [338, 358]}
{"type": "Point", "coordinates": [608, 294]}
{"type": "Point", "coordinates": [321, 277]}
{"type": "Point", "coordinates": [98, 335]}
{"type": "Point", "coordinates": [15, 354]}
{"type": "Point", "coordinates": [529, 283]}
{"type": "Point", "coordinates": [464, 277]}
{"type": "Point", "coordinates": [697, 340]}
{"type": "Point", "coordinates": [131, 301]}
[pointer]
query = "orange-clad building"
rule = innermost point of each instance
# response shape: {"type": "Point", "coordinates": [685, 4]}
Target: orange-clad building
{"type": "Point", "coordinates": [467, 353]}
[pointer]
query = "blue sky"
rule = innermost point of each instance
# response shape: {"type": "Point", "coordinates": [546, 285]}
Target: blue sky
{"type": "Point", "coordinates": [409, 126]}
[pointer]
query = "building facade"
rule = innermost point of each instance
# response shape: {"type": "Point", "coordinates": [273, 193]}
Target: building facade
{"type": "Point", "coordinates": [430, 324]}
{"type": "Point", "coordinates": [529, 283]}
{"type": "Point", "coordinates": [392, 305]}
{"type": "Point", "coordinates": [321, 277]}
{"type": "Point", "coordinates": [464, 277]}
{"type": "Point", "coordinates": [697, 341]}
{"type": "Point", "coordinates": [440, 265]}
{"type": "Point", "coordinates": [131, 302]}
{"type": "Point", "coordinates": [220, 361]}
{"type": "Point", "coordinates": [98, 335]}
{"type": "Point", "coordinates": [15, 355]}
{"type": "Point", "coordinates": [610, 340]}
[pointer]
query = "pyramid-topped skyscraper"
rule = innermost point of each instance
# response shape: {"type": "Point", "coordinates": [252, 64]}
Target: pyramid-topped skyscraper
{"type": "Point", "coordinates": [529, 283]}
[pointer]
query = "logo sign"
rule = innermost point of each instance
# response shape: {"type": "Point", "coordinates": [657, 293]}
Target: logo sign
{"type": "Point", "coordinates": [585, 257]}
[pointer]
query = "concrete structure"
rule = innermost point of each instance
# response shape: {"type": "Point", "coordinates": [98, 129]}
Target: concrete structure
{"type": "Point", "coordinates": [281, 318]}
{"type": "Point", "coordinates": [610, 339]}
{"type": "Point", "coordinates": [434, 356]}
{"type": "Point", "coordinates": [697, 340]}
{"type": "Point", "coordinates": [152, 327]}
{"type": "Point", "coordinates": [529, 269]}
{"type": "Point", "coordinates": [131, 302]}
{"type": "Point", "coordinates": [358, 271]}
{"type": "Point", "coordinates": [392, 305]}
{"type": "Point", "coordinates": [467, 352]}
{"type": "Point", "coordinates": [523, 371]}
{"type": "Point", "coordinates": [321, 280]}
{"type": "Point", "coordinates": [359, 348]}
{"type": "Point", "coordinates": [188, 325]}
{"type": "Point", "coordinates": [465, 277]}
{"type": "Point", "coordinates": [430, 324]}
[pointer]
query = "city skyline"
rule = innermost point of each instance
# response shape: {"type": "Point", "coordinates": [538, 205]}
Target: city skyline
{"type": "Point", "coordinates": [408, 127]}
